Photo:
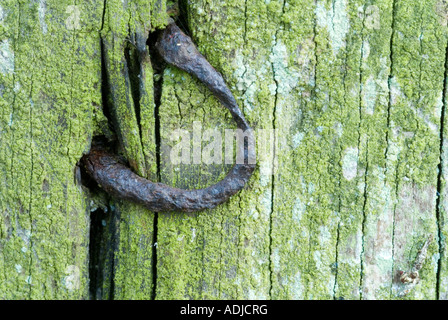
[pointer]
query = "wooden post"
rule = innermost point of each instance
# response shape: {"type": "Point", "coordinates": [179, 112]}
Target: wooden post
{"type": "Point", "coordinates": [348, 97]}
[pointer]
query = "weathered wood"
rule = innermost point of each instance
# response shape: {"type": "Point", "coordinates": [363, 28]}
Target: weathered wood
{"type": "Point", "coordinates": [51, 88]}
{"type": "Point", "coordinates": [130, 101]}
{"type": "Point", "coordinates": [49, 98]}
{"type": "Point", "coordinates": [416, 91]}
{"type": "Point", "coordinates": [353, 92]}
{"type": "Point", "coordinates": [222, 253]}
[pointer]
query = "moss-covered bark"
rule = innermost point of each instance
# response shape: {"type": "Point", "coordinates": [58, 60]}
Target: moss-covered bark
{"type": "Point", "coordinates": [51, 90]}
{"type": "Point", "coordinates": [130, 102]}
{"type": "Point", "coordinates": [353, 93]}
{"type": "Point", "coordinates": [49, 98]}
{"type": "Point", "coordinates": [354, 90]}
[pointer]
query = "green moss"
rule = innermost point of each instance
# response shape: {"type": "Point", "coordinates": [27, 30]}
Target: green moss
{"type": "Point", "coordinates": [50, 108]}
{"type": "Point", "coordinates": [354, 90]}
{"type": "Point", "coordinates": [130, 81]}
{"type": "Point", "coordinates": [353, 148]}
{"type": "Point", "coordinates": [221, 253]}
{"type": "Point", "coordinates": [46, 120]}
{"type": "Point", "coordinates": [132, 276]}
{"type": "Point", "coordinates": [415, 115]}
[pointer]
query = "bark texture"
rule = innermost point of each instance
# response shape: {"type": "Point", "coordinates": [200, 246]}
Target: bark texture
{"type": "Point", "coordinates": [338, 208]}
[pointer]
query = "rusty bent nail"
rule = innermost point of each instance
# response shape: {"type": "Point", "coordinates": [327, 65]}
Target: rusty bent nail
{"type": "Point", "coordinates": [119, 180]}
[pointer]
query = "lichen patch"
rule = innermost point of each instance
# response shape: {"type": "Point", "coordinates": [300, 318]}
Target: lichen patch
{"type": "Point", "coordinates": [42, 10]}
{"type": "Point", "coordinates": [336, 21]}
{"type": "Point", "coordinates": [6, 57]}
{"type": "Point", "coordinates": [285, 77]}
{"type": "Point", "coordinates": [369, 94]}
{"type": "Point", "coordinates": [73, 279]}
{"type": "Point", "coordinates": [350, 163]}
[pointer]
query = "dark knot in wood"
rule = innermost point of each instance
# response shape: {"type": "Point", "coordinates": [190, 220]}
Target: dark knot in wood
{"type": "Point", "coordinates": [120, 181]}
